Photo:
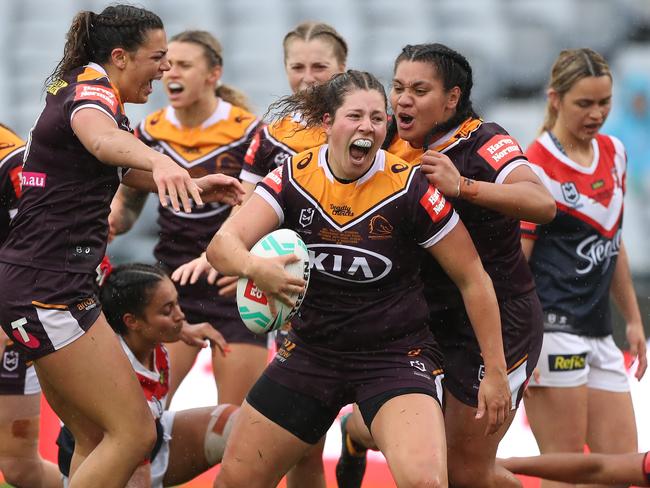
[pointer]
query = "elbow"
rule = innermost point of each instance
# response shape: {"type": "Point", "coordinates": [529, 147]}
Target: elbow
{"type": "Point", "coordinates": [214, 252]}
{"type": "Point", "coordinates": [548, 210]}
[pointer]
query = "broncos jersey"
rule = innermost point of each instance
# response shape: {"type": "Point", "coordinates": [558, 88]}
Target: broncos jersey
{"type": "Point", "coordinates": [62, 219]}
{"type": "Point", "coordinates": [365, 240]}
{"type": "Point", "coordinates": [155, 384]}
{"type": "Point", "coordinates": [217, 146]}
{"type": "Point", "coordinates": [483, 152]}
{"type": "Point", "coordinates": [277, 142]}
{"type": "Point", "coordinates": [575, 255]}
{"type": "Point", "coordinates": [12, 150]}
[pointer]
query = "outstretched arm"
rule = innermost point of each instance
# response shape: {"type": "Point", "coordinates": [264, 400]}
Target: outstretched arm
{"type": "Point", "coordinates": [606, 469]}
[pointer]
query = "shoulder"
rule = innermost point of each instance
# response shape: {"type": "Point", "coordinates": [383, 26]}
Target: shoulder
{"type": "Point", "coordinates": [155, 126]}
{"type": "Point", "coordinates": [9, 142]}
{"type": "Point", "coordinates": [294, 136]}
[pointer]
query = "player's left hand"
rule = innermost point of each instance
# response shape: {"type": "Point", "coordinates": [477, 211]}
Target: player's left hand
{"type": "Point", "coordinates": [493, 400]}
{"type": "Point", "coordinates": [220, 188]}
{"type": "Point", "coordinates": [196, 335]}
{"type": "Point", "coordinates": [636, 339]}
{"type": "Point", "coordinates": [441, 173]}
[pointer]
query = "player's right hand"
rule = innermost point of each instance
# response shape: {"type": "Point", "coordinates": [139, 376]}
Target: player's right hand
{"type": "Point", "coordinates": [175, 183]}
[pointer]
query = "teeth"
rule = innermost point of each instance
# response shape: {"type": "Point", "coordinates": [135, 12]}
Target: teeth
{"type": "Point", "coordinates": [364, 143]}
{"type": "Point", "coordinates": [174, 86]}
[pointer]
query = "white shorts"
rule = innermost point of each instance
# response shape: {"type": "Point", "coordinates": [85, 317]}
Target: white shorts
{"type": "Point", "coordinates": [160, 463]}
{"type": "Point", "coordinates": [569, 360]}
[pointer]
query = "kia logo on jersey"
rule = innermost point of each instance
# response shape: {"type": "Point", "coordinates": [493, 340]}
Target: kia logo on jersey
{"type": "Point", "coordinates": [570, 192]}
{"type": "Point", "coordinates": [348, 263]}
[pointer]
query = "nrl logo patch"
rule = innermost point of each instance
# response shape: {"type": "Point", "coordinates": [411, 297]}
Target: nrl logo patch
{"type": "Point", "coordinates": [10, 360]}
{"type": "Point", "coordinates": [306, 216]}
{"type": "Point", "coordinates": [570, 192]}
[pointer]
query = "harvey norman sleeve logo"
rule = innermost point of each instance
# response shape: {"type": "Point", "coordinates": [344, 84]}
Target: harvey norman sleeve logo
{"type": "Point", "coordinates": [435, 204]}
{"type": "Point", "coordinates": [98, 94]}
{"type": "Point", "coordinates": [274, 179]}
{"type": "Point", "coordinates": [499, 150]}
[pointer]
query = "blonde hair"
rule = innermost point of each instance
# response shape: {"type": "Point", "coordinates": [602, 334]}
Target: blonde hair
{"type": "Point", "coordinates": [307, 31]}
{"type": "Point", "coordinates": [213, 53]}
{"type": "Point", "coordinates": [571, 66]}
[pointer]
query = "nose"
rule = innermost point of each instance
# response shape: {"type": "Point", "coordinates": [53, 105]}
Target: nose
{"type": "Point", "coordinates": [178, 313]}
{"type": "Point", "coordinates": [404, 100]}
{"type": "Point", "coordinates": [308, 78]}
{"type": "Point", "coordinates": [165, 65]}
{"type": "Point", "coordinates": [365, 124]}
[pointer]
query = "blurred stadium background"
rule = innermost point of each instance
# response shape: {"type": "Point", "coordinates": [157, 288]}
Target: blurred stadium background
{"type": "Point", "coordinates": [510, 43]}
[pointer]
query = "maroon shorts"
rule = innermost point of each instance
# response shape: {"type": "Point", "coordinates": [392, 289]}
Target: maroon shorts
{"type": "Point", "coordinates": [43, 311]}
{"type": "Point", "coordinates": [337, 378]}
{"type": "Point", "coordinates": [522, 330]}
{"type": "Point", "coordinates": [17, 375]}
{"type": "Point", "coordinates": [201, 303]}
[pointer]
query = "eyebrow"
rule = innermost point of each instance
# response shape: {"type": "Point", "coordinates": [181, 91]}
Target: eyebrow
{"type": "Point", "coordinates": [414, 84]}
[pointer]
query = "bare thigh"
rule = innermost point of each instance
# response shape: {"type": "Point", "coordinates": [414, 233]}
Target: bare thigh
{"type": "Point", "coordinates": [181, 360]}
{"type": "Point", "coordinates": [236, 373]}
{"type": "Point", "coordinates": [92, 387]}
{"type": "Point", "coordinates": [259, 452]}
{"type": "Point", "coordinates": [410, 432]}
{"type": "Point", "coordinates": [558, 419]}
{"type": "Point", "coordinates": [186, 448]}
{"type": "Point", "coordinates": [470, 452]}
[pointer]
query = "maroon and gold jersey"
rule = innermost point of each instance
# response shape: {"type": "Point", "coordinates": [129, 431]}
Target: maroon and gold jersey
{"type": "Point", "coordinates": [277, 142]}
{"type": "Point", "coordinates": [12, 149]}
{"type": "Point", "coordinates": [217, 146]}
{"type": "Point", "coordinates": [61, 224]}
{"type": "Point", "coordinates": [483, 152]}
{"type": "Point", "coordinates": [365, 240]}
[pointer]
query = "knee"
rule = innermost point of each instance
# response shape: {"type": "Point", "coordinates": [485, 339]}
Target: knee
{"type": "Point", "coordinates": [140, 438]}
{"type": "Point", "coordinates": [415, 479]}
{"type": "Point", "coordinates": [19, 472]}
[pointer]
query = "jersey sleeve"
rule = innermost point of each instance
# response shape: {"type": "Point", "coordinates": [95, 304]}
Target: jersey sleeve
{"type": "Point", "coordinates": [99, 96]}
{"type": "Point", "coordinates": [432, 216]}
{"type": "Point", "coordinates": [262, 157]}
{"type": "Point", "coordinates": [498, 155]}
{"type": "Point", "coordinates": [272, 190]}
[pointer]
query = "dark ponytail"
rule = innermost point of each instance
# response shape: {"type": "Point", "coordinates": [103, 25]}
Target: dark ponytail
{"type": "Point", "coordinates": [92, 37]}
{"type": "Point", "coordinates": [128, 289]}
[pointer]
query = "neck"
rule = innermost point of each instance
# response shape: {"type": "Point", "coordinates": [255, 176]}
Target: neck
{"type": "Point", "coordinates": [579, 150]}
{"type": "Point", "coordinates": [141, 349]}
{"type": "Point", "coordinates": [197, 113]}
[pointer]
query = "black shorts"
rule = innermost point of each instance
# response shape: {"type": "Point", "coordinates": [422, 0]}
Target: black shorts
{"type": "Point", "coordinates": [522, 330]}
{"type": "Point", "coordinates": [43, 311]}
{"type": "Point", "coordinates": [201, 303]}
{"type": "Point", "coordinates": [17, 375]}
{"type": "Point", "coordinates": [311, 384]}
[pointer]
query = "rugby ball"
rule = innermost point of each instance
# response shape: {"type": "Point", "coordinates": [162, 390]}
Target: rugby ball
{"type": "Point", "coordinates": [252, 303]}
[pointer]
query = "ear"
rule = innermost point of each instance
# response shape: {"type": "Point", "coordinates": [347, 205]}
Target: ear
{"type": "Point", "coordinates": [453, 97]}
{"type": "Point", "coordinates": [131, 321]}
{"type": "Point", "coordinates": [118, 57]}
{"type": "Point", "coordinates": [328, 120]}
{"type": "Point", "coordinates": [215, 75]}
{"type": "Point", "coordinates": [553, 99]}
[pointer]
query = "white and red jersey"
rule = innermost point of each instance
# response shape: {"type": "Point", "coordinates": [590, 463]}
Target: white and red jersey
{"type": "Point", "coordinates": [574, 257]}
{"type": "Point", "coordinates": [155, 384]}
